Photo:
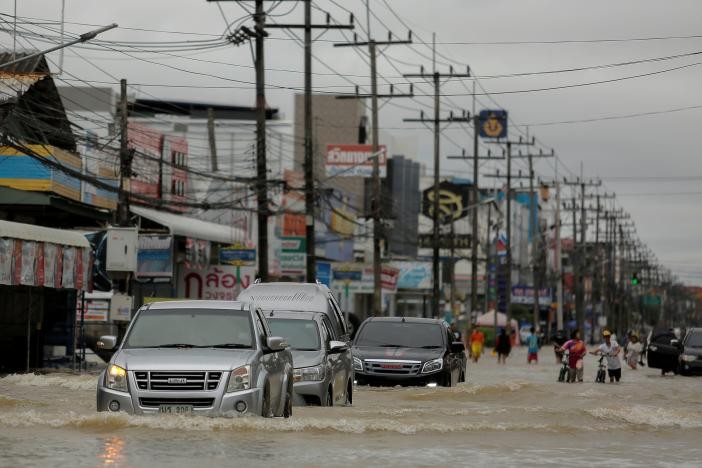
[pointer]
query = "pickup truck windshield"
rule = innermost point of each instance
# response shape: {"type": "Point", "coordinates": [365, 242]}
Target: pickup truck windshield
{"type": "Point", "coordinates": [400, 335]}
{"type": "Point", "coordinates": [302, 335]}
{"type": "Point", "coordinates": [191, 328]}
{"type": "Point", "coordinates": [694, 340]}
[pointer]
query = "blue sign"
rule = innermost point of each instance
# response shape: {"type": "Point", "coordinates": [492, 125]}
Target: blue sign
{"type": "Point", "coordinates": [493, 123]}
{"type": "Point", "coordinates": [230, 256]}
{"type": "Point", "coordinates": [324, 273]}
{"type": "Point", "coordinates": [351, 275]}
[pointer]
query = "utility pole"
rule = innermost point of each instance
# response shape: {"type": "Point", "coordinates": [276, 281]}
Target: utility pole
{"type": "Point", "coordinates": [474, 212]}
{"type": "Point", "coordinates": [376, 204]}
{"type": "Point", "coordinates": [436, 78]}
{"type": "Point", "coordinates": [309, 167]}
{"type": "Point", "coordinates": [559, 262]}
{"type": "Point", "coordinates": [126, 156]}
{"type": "Point", "coordinates": [211, 139]}
{"type": "Point", "coordinates": [261, 166]}
{"type": "Point", "coordinates": [508, 200]}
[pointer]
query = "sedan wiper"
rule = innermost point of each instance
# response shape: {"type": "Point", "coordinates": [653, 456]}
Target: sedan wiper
{"type": "Point", "coordinates": [431, 346]}
{"type": "Point", "coordinates": [306, 349]}
{"type": "Point", "coordinates": [229, 345]}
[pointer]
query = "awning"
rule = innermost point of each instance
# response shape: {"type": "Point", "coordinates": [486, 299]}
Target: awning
{"type": "Point", "coordinates": [31, 232]}
{"type": "Point", "coordinates": [186, 226]}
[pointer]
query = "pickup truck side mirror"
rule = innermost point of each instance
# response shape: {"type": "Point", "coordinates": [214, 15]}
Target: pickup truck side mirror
{"type": "Point", "coordinates": [675, 343]}
{"type": "Point", "coordinates": [337, 346]}
{"type": "Point", "coordinates": [276, 343]}
{"type": "Point", "coordinates": [107, 342]}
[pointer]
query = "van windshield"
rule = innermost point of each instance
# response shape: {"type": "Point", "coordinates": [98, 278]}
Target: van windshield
{"type": "Point", "coordinates": [400, 335]}
{"type": "Point", "coordinates": [302, 335]}
{"type": "Point", "coordinates": [191, 328]}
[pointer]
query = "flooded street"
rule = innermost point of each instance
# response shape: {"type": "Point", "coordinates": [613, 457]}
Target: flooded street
{"type": "Point", "coordinates": [501, 416]}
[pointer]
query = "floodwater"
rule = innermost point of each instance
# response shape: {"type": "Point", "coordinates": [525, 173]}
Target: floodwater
{"type": "Point", "coordinates": [503, 416]}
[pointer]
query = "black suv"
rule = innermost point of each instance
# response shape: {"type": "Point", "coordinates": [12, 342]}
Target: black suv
{"type": "Point", "coordinates": [407, 351]}
{"type": "Point", "coordinates": [691, 352]}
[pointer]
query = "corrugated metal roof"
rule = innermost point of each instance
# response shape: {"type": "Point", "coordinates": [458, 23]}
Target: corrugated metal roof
{"type": "Point", "coordinates": [32, 232]}
{"type": "Point", "coordinates": [180, 225]}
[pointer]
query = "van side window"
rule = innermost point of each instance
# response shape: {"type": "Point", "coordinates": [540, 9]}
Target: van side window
{"type": "Point", "coordinates": [260, 327]}
{"type": "Point", "coordinates": [337, 312]}
{"type": "Point", "coordinates": [328, 330]}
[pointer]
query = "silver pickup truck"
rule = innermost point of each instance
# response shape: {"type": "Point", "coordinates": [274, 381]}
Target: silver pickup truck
{"type": "Point", "coordinates": [198, 357]}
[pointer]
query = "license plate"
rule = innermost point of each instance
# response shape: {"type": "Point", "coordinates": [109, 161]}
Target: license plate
{"type": "Point", "coordinates": [391, 366]}
{"type": "Point", "coordinates": [175, 409]}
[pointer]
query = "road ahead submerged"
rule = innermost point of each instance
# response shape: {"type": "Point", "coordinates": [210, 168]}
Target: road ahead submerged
{"type": "Point", "coordinates": [513, 415]}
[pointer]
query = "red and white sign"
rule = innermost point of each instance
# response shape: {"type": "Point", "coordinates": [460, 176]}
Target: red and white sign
{"type": "Point", "coordinates": [388, 278]}
{"type": "Point", "coordinates": [217, 282]}
{"type": "Point", "coordinates": [354, 160]}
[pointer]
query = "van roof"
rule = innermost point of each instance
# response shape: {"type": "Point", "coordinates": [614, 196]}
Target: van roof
{"type": "Point", "coordinates": [287, 296]}
{"type": "Point", "coordinates": [199, 304]}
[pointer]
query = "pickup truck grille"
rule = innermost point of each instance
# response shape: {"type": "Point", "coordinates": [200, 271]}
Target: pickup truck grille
{"type": "Point", "coordinates": [177, 381]}
{"type": "Point", "coordinates": [195, 402]}
{"type": "Point", "coordinates": [391, 367]}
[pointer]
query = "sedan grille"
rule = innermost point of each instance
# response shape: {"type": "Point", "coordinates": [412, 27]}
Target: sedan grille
{"type": "Point", "coordinates": [391, 367]}
{"type": "Point", "coordinates": [195, 402]}
{"type": "Point", "coordinates": [177, 381]}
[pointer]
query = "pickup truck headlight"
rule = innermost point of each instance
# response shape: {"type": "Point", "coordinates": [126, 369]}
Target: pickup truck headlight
{"type": "Point", "coordinates": [433, 366]}
{"type": "Point", "coordinates": [357, 364]}
{"type": "Point", "coordinates": [239, 379]}
{"type": "Point", "coordinates": [307, 374]}
{"type": "Point", "coordinates": [688, 357]}
{"type": "Point", "coordinates": [116, 378]}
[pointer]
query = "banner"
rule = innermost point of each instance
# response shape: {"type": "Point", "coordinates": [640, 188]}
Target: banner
{"type": "Point", "coordinates": [68, 268]}
{"type": "Point", "coordinates": [7, 247]}
{"type": "Point", "coordinates": [50, 254]}
{"type": "Point", "coordinates": [354, 160]}
{"type": "Point", "coordinates": [525, 295]}
{"type": "Point", "coordinates": [414, 275]}
{"type": "Point", "coordinates": [197, 253]}
{"type": "Point", "coordinates": [217, 282]}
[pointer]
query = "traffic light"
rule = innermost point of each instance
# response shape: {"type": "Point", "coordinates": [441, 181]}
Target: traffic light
{"type": "Point", "coordinates": [634, 279]}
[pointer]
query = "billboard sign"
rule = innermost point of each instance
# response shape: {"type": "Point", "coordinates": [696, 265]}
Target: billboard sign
{"type": "Point", "coordinates": [293, 256]}
{"type": "Point", "coordinates": [155, 256]}
{"type": "Point", "coordinates": [460, 241]}
{"type": "Point", "coordinates": [414, 275]}
{"type": "Point", "coordinates": [354, 160]}
{"type": "Point", "coordinates": [453, 201]}
{"type": "Point", "coordinates": [324, 273]}
{"type": "Point", "coordinates": [217, 282]}
{"type": "Point", "coordinates": [525, 295]}
{"type": "Point", "coordinates": [237, 255]}
{"type": "Point", "coordinates": [493, 123]}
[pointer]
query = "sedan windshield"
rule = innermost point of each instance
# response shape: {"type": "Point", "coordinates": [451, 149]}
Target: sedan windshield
{"type": "Point", "coordinates": [401, 335]}
{"type": "Point", "coordinates": [191, 328]}
{"type": "Point", "coordinates": [302, 335]}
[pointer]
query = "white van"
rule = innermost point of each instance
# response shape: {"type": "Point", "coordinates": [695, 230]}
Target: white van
{"type": "Point", "coordinates": [302, 297]}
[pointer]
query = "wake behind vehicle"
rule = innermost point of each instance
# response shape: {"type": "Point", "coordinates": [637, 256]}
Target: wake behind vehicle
{"type": "Point", "coordinates": [323, 371]}
{"type": "Point", "coordinates": [198, 357]}
{"type": "Point", "coordinates": [407, 351]}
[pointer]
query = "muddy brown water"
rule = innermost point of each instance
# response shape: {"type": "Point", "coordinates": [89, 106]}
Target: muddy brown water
{"type": "Point", "coordinates": [503, 416]}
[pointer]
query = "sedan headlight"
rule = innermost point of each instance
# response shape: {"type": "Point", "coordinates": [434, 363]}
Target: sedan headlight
{"type": "Point", "coordinates": [433, 365]}
{"type": "Point", "coordinates": [116, 378]}
{"type": "Point", "coordinates": [307, 374]}
{"type": "Point", "coordinates": [357, 364]}
{"type": "Point", "coordinates": [239, 379]}
{"type": "Point", "coordinates": [688, 357]}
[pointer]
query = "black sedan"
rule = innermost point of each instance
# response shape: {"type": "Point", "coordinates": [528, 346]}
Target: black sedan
{"type": "Point", "coordinates": [407, 351]}
{"type": "Point", "coordinates": [662, 351]}
{"type": "Point", "coordinates": [691, 352]}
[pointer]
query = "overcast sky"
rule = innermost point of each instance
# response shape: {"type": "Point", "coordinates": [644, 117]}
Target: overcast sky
{"type": "Point", "coordinates": [651, 162]}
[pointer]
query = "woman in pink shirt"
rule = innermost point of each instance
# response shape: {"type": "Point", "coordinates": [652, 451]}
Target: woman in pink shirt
{"type": "Point", "coordinates": [577, 350]}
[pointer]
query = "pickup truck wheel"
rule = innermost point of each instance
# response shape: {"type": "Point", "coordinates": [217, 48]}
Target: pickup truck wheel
{"type": "Point", "coordinates": [266, 404]}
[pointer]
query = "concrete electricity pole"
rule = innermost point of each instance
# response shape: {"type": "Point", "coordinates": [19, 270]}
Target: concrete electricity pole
{"type": "Point", "coordinates": [126, 155]}
{"type": "Point", "coordinates": [309, 169]}
{"type": "Point", "coordinates": [436, 79]}
{"type": "Point", "coordinates": [376, 204]}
